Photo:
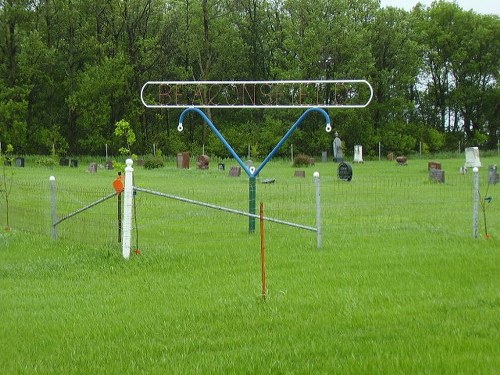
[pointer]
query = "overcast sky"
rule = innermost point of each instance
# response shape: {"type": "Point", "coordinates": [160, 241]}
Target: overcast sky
{"type": "Point", "coordinates": [479, 6]}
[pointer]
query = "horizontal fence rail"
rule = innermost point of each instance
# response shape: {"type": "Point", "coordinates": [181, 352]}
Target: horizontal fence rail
{"type": "Point", "coordinates": [225, 209]}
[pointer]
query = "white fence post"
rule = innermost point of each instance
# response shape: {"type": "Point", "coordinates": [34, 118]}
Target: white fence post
{"type": "Point", "coordinates": [127, 208]}
{"type": "Point", "coordinates": [318, 209]}
{"type": "Point", "coordinates": [475, 202]}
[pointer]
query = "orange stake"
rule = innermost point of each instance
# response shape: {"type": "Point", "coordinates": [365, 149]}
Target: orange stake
{"type": "Point", "coordinates": [263, 251]}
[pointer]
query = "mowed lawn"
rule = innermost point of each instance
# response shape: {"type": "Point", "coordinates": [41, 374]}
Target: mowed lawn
{"type": "Point", "coordinates": [399, 286]}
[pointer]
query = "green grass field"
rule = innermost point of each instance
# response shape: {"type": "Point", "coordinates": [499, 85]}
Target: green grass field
{"type": "Point", "coordinates": [400, 286]}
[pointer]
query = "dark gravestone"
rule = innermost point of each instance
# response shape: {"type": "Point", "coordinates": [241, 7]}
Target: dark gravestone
{"type": "Point", "coordinates": [299, 174]}
{"type": "Point", "coordinates": [493, 176]}
{"type": "Point", "coordinates": [202, 162]}
{"type": "Point", "coordinates": [235, 172]}
{"type": "Point", "coordinates": [344, 171]}
{"type": "Point", "coordinates": [402, 160]}
{"type": "Point", "coordinates": [20, 162]}
{"type": "Point", "coordinates": [436, 175]}
{"type": "Point", "coordinates": [73, 163]}
{"type": "Point", "coordinates": [269, 181]}
{"type": "Point", "coordinates": [221, 167]}
{"type": "Point", "coordinates": [108, 165]}
{"type": "Point", "coordinates": [64, 162]}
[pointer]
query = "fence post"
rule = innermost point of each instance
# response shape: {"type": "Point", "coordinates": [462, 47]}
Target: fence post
{"type": "Point", "coordinates": [318, 209]}
{"type": "Point", "coordinates": [127, 208]}
{"type": "Point", "coordinates": [52, 180]}
{"type": "Point", "coordinates": [251, 203]}
{"type": "Point", "coordinates": [475, 202]}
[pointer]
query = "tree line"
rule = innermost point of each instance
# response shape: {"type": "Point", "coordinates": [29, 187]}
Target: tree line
{"type": "Point", "coordinates": [71, 69]}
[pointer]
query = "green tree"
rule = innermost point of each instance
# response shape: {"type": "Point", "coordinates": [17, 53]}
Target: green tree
{"type": "Point", "coordinates": [462, 55]}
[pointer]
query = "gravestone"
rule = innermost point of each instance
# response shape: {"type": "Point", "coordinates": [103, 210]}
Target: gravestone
{"type": "Point", "coordinates": [93, 167]}
{"type": "Point", "coordinates": [221, 167]}
{"type": "Point", "coordinates": [402, 160]}
{"type": "Point", "coordinates": [324, 157]}
{"type": "Point", "coordinates": [344, 171]}
{"type": "Point", "coordinates": [390, 156]}
{"type": "Point", "coordinates": [269, 181]}
{"type": "Point", "coordinates": [202, 162]}
{"type": "Point", "coordinates": [20, 162]}
{"type": "Point", "coordinates": [472, 157]}
{"type": "Point", "coordinates": [183, 160]}
{"type": "Point", "coordinates": [358, 154]}
{"type": "Point", "coordinates": [493, 176]}
{"type": "Point", "coordinates": [63, 162]}
{"type": "Point", "coordinates": [73, 163]}
{"type": "Point", "coordinates": [338, 155]}
{"type": "Point", "coordinates": [108, 165]}
{"type": "Point", "coordinates": [436, 175]}
{"type": "Point", "coordinates": [299, 174]}
{"type": "Point", "coordinates": [235, 172]}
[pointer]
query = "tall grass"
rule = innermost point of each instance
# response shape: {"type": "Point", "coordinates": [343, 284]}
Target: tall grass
{"type": "Point", "coordinates": [400, 285]}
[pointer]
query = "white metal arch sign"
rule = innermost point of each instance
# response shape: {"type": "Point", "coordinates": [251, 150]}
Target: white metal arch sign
{"type": "Point", "coordinates": [257, 94]}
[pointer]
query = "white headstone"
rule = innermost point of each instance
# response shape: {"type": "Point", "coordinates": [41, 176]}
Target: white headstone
{"type": "Point", "coordinates": [358, 154]}
{"type": "Point", "coordinates": [472, 157]}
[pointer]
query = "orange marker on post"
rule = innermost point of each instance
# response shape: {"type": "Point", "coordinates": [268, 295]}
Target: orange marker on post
{"type": "Point", "coordinates": [118, 184]}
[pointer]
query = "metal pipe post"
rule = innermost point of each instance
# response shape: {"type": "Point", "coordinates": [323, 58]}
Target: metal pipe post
{"type": "Point", "coordinates": [52, 180]}
{"type": "Point", "coordinates": [251, 203]}
{"type": "Point", "coordinates": [263, 252]}
{"type": "Point", "coordinates": [318, 210]}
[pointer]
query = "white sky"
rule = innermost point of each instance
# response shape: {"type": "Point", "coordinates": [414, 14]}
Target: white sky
{"type": "Point", "coordinates": [478, 6]}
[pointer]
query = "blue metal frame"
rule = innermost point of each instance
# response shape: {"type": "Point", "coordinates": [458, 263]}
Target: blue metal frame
{"type": "Point", "coordinates": [253, 174]}
{"type": "Point", "coordinates": [272, 153]}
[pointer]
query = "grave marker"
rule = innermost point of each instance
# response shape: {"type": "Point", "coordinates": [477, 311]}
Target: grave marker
{"type": "Point", "coordinates": [344, 171]}
{"type": "Point", "coordinates": [235, 172]}
{"type": "Point", "coordinates": [436, 175]}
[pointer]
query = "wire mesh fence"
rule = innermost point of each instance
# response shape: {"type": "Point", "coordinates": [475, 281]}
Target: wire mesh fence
{"type": "Point", "coordinates": [370, 203]}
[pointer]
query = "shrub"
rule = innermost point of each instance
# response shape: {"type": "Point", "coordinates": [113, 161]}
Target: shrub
{"type": "Point", "coordinates": [47, 161]}
{"type": "Point", "coordinates": [153, 162]}
{"type": "Point", "coordinates": [302, 160]}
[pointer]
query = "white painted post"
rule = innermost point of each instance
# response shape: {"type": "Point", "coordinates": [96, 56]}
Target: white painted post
{"type": "Point", "coordinates": [128, 193]}
{"type": "Point", "coordinates": [52, 180]}
{"type": "Point", "coordinates": [475, 202]}
{"type": "Point", "coordinates": [106, 152]}
{"type": "Point", "coordinates": [318, 209]}
{"type": "Point", "coordinates": [379, 151]}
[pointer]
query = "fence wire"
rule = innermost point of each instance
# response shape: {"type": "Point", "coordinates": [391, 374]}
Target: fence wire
{"type": "Point", "coordinates": [392, 204]}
